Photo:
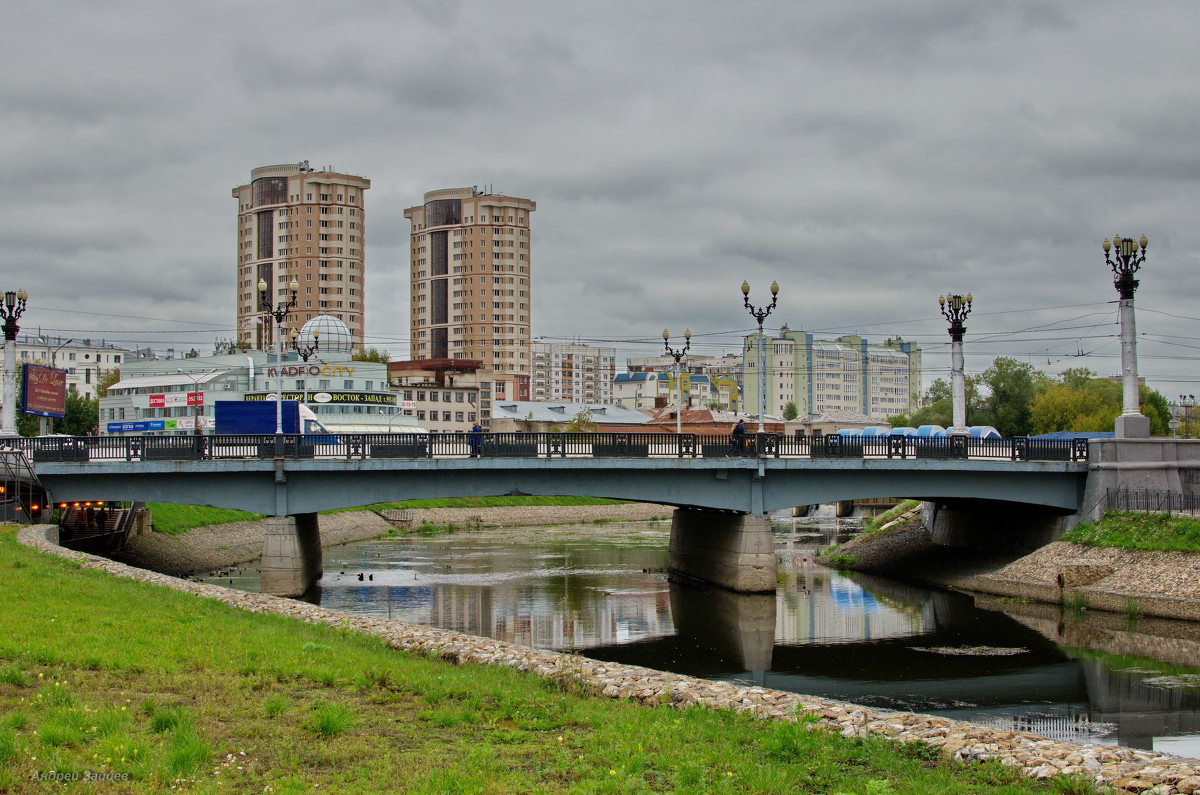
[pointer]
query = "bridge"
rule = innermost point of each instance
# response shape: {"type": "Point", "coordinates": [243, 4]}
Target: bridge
{"type": "Point", "coordinates": [720, 532]}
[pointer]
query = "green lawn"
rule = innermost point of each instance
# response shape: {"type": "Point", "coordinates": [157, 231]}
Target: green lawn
{"type": "Point", "coordinates": [179, 692]}
{"type": "Point", "coordinates": [1145, 531]}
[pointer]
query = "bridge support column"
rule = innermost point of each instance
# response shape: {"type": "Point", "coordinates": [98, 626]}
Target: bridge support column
{"type": "Point", "coordinates": [291, 558]}
{"type": "Point", "coordinates": [729, 550]}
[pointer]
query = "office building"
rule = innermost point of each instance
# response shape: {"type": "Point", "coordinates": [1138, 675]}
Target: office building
{"type": "Point", "coordinates": [298, 223]}
{"type": "Point", "coordinates": [471, 279]}
{"type": "Point", "coordinates": [846, 374]}
{"type": "Point", "coordinates": [573, 373]}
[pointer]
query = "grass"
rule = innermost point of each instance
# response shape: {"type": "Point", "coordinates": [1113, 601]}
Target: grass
{"type": "Point", "coordinates": [178, 692]}
{"type": "Point", "coordinates": [875, 523]}
{"type": "Point", "coordinates": [1139, 531]}
{"type": "Point", "coordinates": [175, 519]}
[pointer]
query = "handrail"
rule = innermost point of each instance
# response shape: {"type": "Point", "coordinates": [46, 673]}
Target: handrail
{"type": "Point", "coordinates": [630, 444]}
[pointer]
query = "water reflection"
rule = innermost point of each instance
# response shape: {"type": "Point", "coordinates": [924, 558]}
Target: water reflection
{"type": "Point", "coordinates": [601, 590]}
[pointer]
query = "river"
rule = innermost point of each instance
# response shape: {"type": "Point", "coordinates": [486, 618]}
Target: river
{"type": "Point", "coordinates": [600, 590]}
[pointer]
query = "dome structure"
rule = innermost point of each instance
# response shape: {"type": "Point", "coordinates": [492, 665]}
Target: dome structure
{"type": "Point", "coordinates": [333, 336]}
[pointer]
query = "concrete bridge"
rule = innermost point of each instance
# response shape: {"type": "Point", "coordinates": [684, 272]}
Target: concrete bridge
{"type": "Point", "coordinates": [720, 531]}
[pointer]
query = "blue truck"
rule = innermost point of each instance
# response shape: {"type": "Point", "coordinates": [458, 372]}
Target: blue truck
{"type": "Point", "coordinates": [257, 417]}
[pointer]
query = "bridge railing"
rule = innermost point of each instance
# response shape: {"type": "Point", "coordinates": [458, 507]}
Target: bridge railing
{"type": "Point", "coordinates": [542, 445]}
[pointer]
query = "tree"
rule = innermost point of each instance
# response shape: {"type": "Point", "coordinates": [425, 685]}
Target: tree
{"type": "Point", "coordinates": [82, 415]}
{"type": "Point", "coordinates": [1012, 387]}
{"type": "Point", "coordinates": [581, 422]}
{"type": "Point", "coordinates": [1081, 401]}
{"type": "Point", "coordinates": [105, 380]}
{"type": "Point", "coordinates": [371, 355]}
{"type": "Point", "coordinates": [790, 412]}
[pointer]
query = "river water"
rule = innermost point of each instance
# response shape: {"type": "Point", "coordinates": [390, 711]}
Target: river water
{"type": "Point", "coordinates": [600, 590]}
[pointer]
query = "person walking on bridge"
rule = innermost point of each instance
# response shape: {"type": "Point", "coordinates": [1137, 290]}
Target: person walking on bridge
{"type": "Point", "coordinates": [737, 440]}
{"type": "Point", "coordinates": [475, 440]}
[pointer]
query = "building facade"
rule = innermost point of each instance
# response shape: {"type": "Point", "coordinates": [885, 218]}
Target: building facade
{"type": "Point", "coordinates": [85, 360]}
{"type": "Point", "coordinates": [651, 390]}
{"type": "Point", "coordinates": [297, 223]}
{"type": "Point", "coordinates": [573, 373]}
{"type": "Point", "coordinates": [447, 395]}
{"type": "Point", "coordinates": [470, 255]}
{"type": "Point", "coordinates": [846, 374]}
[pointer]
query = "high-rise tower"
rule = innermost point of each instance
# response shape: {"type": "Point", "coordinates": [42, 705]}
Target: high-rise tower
{"type": "Point", "coordinates": [470, 257]}
{"type": "Point", "coordinates": [295, 222]}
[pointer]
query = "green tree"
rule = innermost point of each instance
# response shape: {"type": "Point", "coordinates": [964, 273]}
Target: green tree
{"type": "Point", "coordinates": [581, 422]}
{"type": "Point", "coordinates": [81, 417]}
{"type": "Point", "coordinates": [790, 412]}
{"type": "Point", "coordinates": [106, 379]}
{"type": "Point", "coordinates": [1012, 387]}
{"type": "Point", "coordinates": [371, 355]}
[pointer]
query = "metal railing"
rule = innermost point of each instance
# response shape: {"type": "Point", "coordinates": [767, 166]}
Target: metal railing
{"type": "Point", "coordinates": [543, 445]}
{"type": "Point", "coordinates": [1149, 501]}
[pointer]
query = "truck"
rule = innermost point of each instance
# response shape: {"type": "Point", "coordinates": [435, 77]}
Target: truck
{"type": "Point", "coordinates": [257, 417]}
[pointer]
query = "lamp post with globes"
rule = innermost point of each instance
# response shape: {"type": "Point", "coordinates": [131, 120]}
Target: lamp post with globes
{"type": "Point", "coordinates": [677, 355]}
{"type": "Point", "coordinates": [11, 311]}
{"type": "Point", "coordinates": [305, 352]}
{"type": "Point", "coordinates": [955, 309]}
{"type": "Point", "coordinates": [1187, 402]}
{"type": "Point", "coordinates": [760, 314]}
{"type": "Point", "coordinates": [280, 313]}
{"type": "Point", "coordinates": [1125, 256]}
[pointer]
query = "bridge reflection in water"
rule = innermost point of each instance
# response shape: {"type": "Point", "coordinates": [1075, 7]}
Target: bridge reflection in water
{"type": "Point", "coordinates": [868, 640]}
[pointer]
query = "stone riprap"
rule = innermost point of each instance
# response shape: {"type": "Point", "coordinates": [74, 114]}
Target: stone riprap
{"type": "Point", "coordinates": [1124, 769]}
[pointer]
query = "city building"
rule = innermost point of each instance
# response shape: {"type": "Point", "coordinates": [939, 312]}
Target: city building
{"type": "Point", "coordinates": [297, 223]}
{"type": "Point", "coordinates": [173, 396]}
{"type": "Point", "coordinates": [573, 373]}
{"type": "Point", "coordinates": [85, 360]}
{"type": "Point", "coordinates": [729, 364]}
{"type": "Point", "coordinates": [470, 262]}
{"type": "Point", "coordinates": [536, 416]}
{"type": "Point", "coordinates": [847, 374]}
{"type": "Point", "coordinates": [652, 389]}
{"type": "Point", "coordinates": [444, 395]}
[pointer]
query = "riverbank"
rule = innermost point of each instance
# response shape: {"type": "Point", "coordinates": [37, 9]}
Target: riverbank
{"type": "Point", "coordinates": [1164, 584]}
{"type": "Point", "coordinates": [1127, 769]}
{"type": "Point", "coordinates": [234, 543]}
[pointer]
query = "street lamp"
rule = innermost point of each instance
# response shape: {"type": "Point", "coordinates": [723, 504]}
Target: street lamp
{"type": "Point", "coordinates": [280, 313]}
{"type": "Point", "coordinates": [11, 311]}
{"type": "Point", "coordinates": [305, 352]}
{"type": "Point", "coordinates": [44, 422]}
{"type": "Point", "coordinates": [760, 315]}
{"type": "Point", "coordinates": [197, 398]}
{"type": "Point", "coordinates": [955, 308]}
{"type": "Point", "coordinates": [1187, 402]}
{"type": "Point", "coordinates": [677, 355]}
{"type": "Point", "coordinates": [1125, 256]}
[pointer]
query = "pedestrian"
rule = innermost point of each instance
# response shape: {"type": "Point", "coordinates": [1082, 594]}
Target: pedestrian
{"type": "Point", "coordinates": [90, 513]}
{"type": "Point", "coordinates": [737, 439]}
{"type": "Point", "coordinates": [475, 440]}
{"type": "Point", "coordinates": [102, 520]}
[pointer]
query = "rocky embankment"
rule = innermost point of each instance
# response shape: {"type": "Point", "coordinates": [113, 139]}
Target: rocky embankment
{"type": "Point", "coordinates": [1125, 769]}
{"type": "Point", "coordinates": [217, 546]}
{"type": "Point", "coordinates": [1160, 584]}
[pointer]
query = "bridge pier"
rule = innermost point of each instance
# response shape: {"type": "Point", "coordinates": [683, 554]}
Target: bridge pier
{"type": "Point", "coordinates": [291, 558]}
{"type": "Point", "coordinates": [727, 549]}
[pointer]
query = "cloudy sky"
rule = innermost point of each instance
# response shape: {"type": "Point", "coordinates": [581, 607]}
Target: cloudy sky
{"type": "Point", "coordinates": [867, 155]}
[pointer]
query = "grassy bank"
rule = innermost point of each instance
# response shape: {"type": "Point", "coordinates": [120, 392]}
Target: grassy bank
{"type": "Point", "coordinates": [1141, 531]}
{"type": "Point", "coordinates": [161, 690]}
{"type": "Point", "coordinates": [174, 519]}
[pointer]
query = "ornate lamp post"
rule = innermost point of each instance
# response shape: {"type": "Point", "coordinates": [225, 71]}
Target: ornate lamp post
{"type": "Point", "coordinates": [677, 355]}
{"type": "Point", "coordinates": [280, 314]}
{"type": "Point", "coordinates": [11, 311]}
{"type": "Point", "coordinates": [305, 352]}
{"type": "Point", "coordinates": [1186, 402]}
{"type": "Point", "coordinates": [955, 309]}
{"type": "Point", "coordinates": [1125, 256]}
{"type": "Point", "coordinates": [760, 315]}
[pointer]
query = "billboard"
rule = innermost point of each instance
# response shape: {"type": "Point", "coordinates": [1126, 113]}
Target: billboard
{"type": "Point", "coordinates": [43, 390]}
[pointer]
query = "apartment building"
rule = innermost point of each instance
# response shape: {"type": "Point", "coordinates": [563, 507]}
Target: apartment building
{"type": "Point", "coordinates": [846, 374]}
{"type": "Point", "coordinates": [470, 255]}
{"type": "Point", "coordinates": [85, 360]}
{"type": "Point", "coordinates": [446, 395]}
{"type": "Point", "coordinates": [299, 223]}
{"type": "Point", "coordinates": [573, 373]}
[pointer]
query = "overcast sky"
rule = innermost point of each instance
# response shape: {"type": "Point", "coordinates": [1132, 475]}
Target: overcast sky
{"type": "Point", "coordinates": [867, 155]}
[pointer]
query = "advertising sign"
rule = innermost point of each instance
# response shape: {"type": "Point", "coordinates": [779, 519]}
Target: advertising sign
{"type": "Point", "coordinates": [43, 390]}
{"type": "Point", "coordinates": [176, 399]}
{"type": "Point", "coordinates": [141, 426]}
{"type": "Point", "coordinates": [369, 398]}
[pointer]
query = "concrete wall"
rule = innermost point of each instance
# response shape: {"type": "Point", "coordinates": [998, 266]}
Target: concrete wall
{"type": "Point", "coordinates": [727, 549]}
{"type": "Point", "coordinates": [1154, 464]}
{"type": "Point", "coordinates": [992, 527]}
{"type": "Point", "coordinates": [291, 558]}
